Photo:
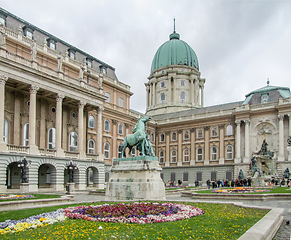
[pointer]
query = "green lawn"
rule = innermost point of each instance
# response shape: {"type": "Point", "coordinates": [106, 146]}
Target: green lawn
{"type": "Point", "coordinates": [36, 196]}
{"type": "Point", "coordinates": [220, 221]}
{"type": "Point", "coordinates": [272, 190]}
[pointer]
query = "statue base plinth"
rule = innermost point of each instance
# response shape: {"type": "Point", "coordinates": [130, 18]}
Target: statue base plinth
{"type": "Point", "coordinates": [24, 187]}
{"type": "Point", "coordinates": [137, 178]}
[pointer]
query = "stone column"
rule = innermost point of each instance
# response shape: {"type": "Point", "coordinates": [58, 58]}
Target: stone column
{"type": "Point", "coordinates": [126, 128]}
{"type": "Point", "coordinates": [169, 90]}
{"type": "Point", "coordinates": [114, 139]}
{"type": "Point", "coordinates": [114, 99]}
{"type": "Point", "coordinates": [174, 90]}
{"type": "Point", "coordinates": [281, 138]}
{"type": "Point", "coordinates": [3, 80]}
{"type": "Point", "coordinates": [99, 133]}
{"type": "Point", "coordinates": [247, 141]}
{"type": "Point", "coordinates": [167, 155]}
{"type": "Point", "coordinates": [154, 93]}
{"type": "Point", "coordinates": [202, 96]}
{"type": "Point", "coordinates": [151, 94]}
{"type": "Point", "coordinates": [180, 149]}
{"type": "Point", "coordinates": [221, 143]}
{"type": "Point", "coordinates": [206, 149]}
{"type": "Point", "coordinates": [289, 115]}
{"type": "Point", "coordinates": [192, 87]}
{"type": "Point", "coordinates": [33, 149]}
{"type": "Point", "coordinates": [193, 150]}
{"type": "Point", "coordinates": [81, 130]}
{"type": "Point", "coordinates": [16, 119]}
{"type": "Point", "coordinates": [59, 125]}
{"type": "Point", "coordinates": [147, 95]}
{"type": "Point", "coordinates": [42, 126]}
{"type": "Point", "coordinates": [237, 142]}
{"type": "Point", "coordinates": [195, 92]}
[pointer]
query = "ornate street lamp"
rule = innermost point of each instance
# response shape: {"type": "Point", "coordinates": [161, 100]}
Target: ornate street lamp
{"type": "Point", "coordinates": [24, 165]}
{"type": "Point", "coordinates": [71, 168]}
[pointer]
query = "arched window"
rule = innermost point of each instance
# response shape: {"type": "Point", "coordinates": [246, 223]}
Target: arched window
{"type": "Point", "coordinates": [25, 134]}
{"type": "Point", "coordinates": [163, 98]}
{"type": "Point", "coordinates": [229, 130]}
{"type": "Point", "coordinates": [120, 129]}
{"type": "Point", "coordinates": [182, 97]}
{"type": "Point", "coordinates": [200, 154]}
{"type": "Point", "coordinates": [107, 125]}
{"type": "Point", "coordinates": [5, 131]}
{"type": "Point", "coordinates": [51, 138]}
{"type": "Point", "coordinates": [214, 132]}
{"type": "Point", "coordinates": [73, 142]}
{"type": "Point", "coordinates": [174, 136]}
{"type": "Point", "coordinates": [186, 135]}
{"type": "Point", "coordinates": [186, 155]}
{"type": "Point", "coordinates": [185, 177]}
{"type": "Point", "coordinates": [106, 150]}
{"type": "Point", "coordinates": [200, 133]}
{"type": "Point", "coordinates": [162, 137]}
{"type": "Point", "coordinates": [174, 156]}
{"type": "Point", "coordinates": [162, 156]}
{"type": "Point", "coordinates": [91, 146]}
{"type": "Point", "coordinates": [119, 151]}
{"type": "Point", "coordinates": [152, 137]}
{"type": "Point", "coordinates": [133, 152]}
{"type": "Point", "coordinates": [91, 121]}
{"type": "Point", "coordinates": [214, 152]}
{"type": "Point", "coordinates": [229, 152]}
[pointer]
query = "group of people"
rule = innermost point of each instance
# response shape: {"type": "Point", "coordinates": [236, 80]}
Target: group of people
{"type": "Point", "coordinates": [225, 183]}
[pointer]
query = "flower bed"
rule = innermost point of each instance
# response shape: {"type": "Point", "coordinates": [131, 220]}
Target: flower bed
{"type": "Point", "coordinates": [14, 196]}
{"type": "Point", "coordinates": [140, 213]}
{"type": "Point", "coordinates": [41, 220]}
{"type": "Point", "coordinates": [239, 190]}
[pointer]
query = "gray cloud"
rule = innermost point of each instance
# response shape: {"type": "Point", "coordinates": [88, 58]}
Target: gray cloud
{"type": "Point", "coordinates": [239, 44]}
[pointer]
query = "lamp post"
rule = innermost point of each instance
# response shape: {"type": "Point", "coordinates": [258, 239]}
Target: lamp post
{"type": "Point", "coordinates": [71, 185]}
{"type": "Point", "coordinates": [24, 165]}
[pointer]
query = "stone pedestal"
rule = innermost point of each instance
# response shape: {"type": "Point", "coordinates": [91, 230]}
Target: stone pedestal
{"type": "Point", "coordinates": [137, 178]}
{"type": "Point", "coordinates": [24, 187]}
{"type": "Point", "coordinates": [70, 188]}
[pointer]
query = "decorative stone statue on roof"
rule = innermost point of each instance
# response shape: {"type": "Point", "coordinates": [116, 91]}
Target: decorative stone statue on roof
{"type": "Point", "coordinates": [139, 138]}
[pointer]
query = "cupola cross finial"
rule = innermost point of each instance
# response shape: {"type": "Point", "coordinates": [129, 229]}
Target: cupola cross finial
{"type": "Point", "coordinates": [174, 25]}
{"type": "Point", "coordinates": [268, 82]}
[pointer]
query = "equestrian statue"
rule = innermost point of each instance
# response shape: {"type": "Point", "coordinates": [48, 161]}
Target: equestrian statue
{"type": "Point", "coordinates": [138, 138]}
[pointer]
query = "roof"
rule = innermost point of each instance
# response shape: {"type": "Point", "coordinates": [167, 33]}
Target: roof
{"type": "Point", "coordinates": [174, 52]}
{"type": "Point", "coordinates": [196, 111]}
{"type": "Point", "coordinates": [268, 89]}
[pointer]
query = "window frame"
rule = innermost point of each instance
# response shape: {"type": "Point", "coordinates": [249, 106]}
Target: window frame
{"type": "Point", "coordinates": [163, 98]}
{"type": "Point", "coordinates": [152, 137]}
{"type": "Point", "coordinates": [188, 133]}
{"type": "Point", "coordinates": [163, 84]}
{"type": "Point", "coordinates": [182, 96]}
{"type": "Point", "coordinates": [92, 149]}
{"type": "Point", "coordinates": [120, 129]}
{"type": "Point", "coordinates": [199, 154]}
{"type": "Point", "coordinates": [182, 83]}
{"type": "Point", "coordinates": [200, 130]}
{"type": "Point", "coordinates": [213, 131]}
{"type": "Point", "coordinates": [26, 134]}
{"type": "Point", "coordinates": [73, 148]}
{"type": "Point", "coordinates": [229, 130]}
{"type": "Point", "coordinates": [119, 151]}
{"type": "Point", "coordinates": [106, 125]}
{"type": "Point", "coordinates": [108, 95]}
{"type": "Point", "coordinates": [162, 139]}
{"type": "Point", "coordinates": [6, 131]}
{"type": "Point", "coordinates": [51, 134]}
{"type": "Point", "coordinates": [229, 152]}
{"type": "Point", "coordinates": [91, 120]}
{"type": "Point", "coordinates": [162, 158]}
{"type": "Point", "coordinates": [186, 155]}
{"type": "Point", "coordinates": [174, 134]}
{"type": "Point", "coordinates": [214, 155]}
{"type": "Point", "coordinates": [106, 151]}
{"type": "Point", "coordinates": [174, 157]}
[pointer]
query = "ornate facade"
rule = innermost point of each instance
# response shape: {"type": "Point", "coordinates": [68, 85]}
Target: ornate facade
{"type": "Point", "coordinates": [61, 107]}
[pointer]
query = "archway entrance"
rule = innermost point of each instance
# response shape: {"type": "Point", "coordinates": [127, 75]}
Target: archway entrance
{"type": "Point", "coordinates": [92, 177]}
{"type": "Point", "coordinates": [46, 176]}
{"type": "Point", "coordinates": [13, 176]}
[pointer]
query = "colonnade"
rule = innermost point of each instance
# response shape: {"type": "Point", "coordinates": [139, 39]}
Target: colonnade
{"type": "Point", "coordinates": [33, 148]}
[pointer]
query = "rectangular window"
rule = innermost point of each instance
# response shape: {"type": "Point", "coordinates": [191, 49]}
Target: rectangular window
{"type": "Point", "coordinates": [162, 84]}
{"type": "Point", "coordinates": [199, 176]}
{"type": "Point", "coordinates": [107, 94]}
{"type": "Point", "coordinates": [120, 102]}
{"type": "Point", "coordinates": [29, 34]}
{"type": "Point", "coordinates": [72, 55]}
{"type": "Point", "coordinates": [182, 83]}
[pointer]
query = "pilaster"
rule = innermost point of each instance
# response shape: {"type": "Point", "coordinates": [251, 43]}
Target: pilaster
{"type": "Point", "coordinates": [167, 160]}
{"type": "Point", "coordinates": [180, 149]}
{"type": "Point", "coordinates": [99, 133]}
{"type": "Point", "coordinates": [206, 149]}
{"type": "Point", "coordinates": [3, 80]}
{"type": "Point", "coordinates": [81, 151]}
{"type": "Point", "coordinates": [281, 137]}
{"type": "Point", "coordinates": [221, 143]}
{"type": "Point", "coordinates": [237, 142]}
{"type": "Point", "coordinates": [193, 150]}
{"type": "Point", "coordinates": [247, 141]}
{"type": "Point", "coordinates": [33, 149]}
{"type": "Point", "coordinates": [59, 124]}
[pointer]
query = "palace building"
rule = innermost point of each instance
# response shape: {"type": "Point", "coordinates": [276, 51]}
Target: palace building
{"type": "Point", "coordinates": [62, 107]}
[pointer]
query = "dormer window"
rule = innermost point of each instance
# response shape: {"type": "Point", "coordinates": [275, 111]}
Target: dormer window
{"type": "Point", "coordinates": [89, 62]}
{"type": "Point", "coordinates": [28, 32]}
{"type": "Point", "coordinates": [2, 20]}
{"type": "Point", "coordinates": [51, 44]}
{"type": "Point", "coordinates": [72, 54]}
{"type": "Point", "coordinates": [265, 98]}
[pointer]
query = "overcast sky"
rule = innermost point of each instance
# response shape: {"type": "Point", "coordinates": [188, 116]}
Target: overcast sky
{"type": "Point", "coordinates": [239, 44]}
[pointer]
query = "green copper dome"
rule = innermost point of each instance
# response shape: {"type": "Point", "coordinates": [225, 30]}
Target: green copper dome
{"type": "Point", "coordinates": [174, 52]}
